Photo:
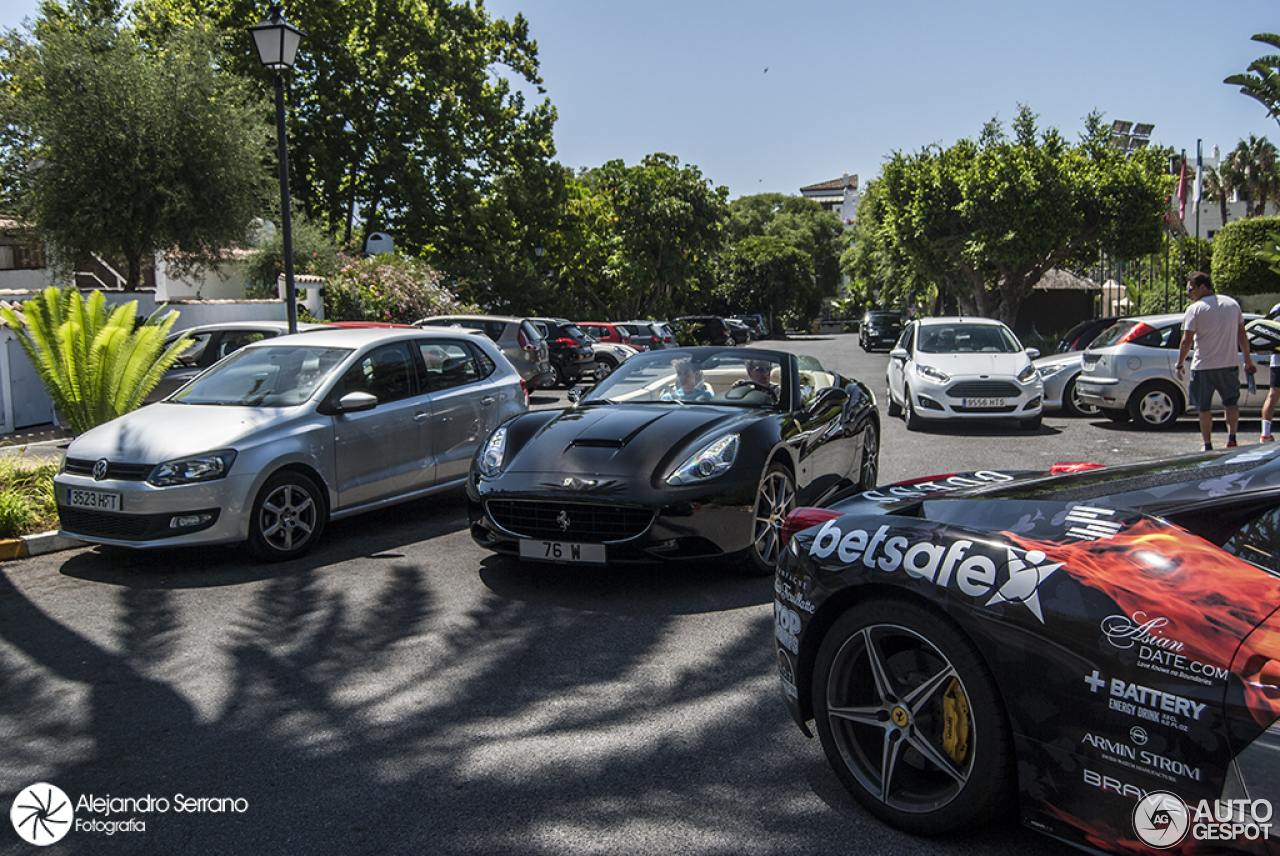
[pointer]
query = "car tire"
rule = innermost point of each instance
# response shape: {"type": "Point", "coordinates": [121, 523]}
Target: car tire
{"type": "Point", "coordinates": [1115, 415]}
{"type": "Point", "coordinates": [901, 695]}
{"type": "Point", "coordinates": [1071, 403]}
{"type": "Point", "coordinates": [561, 378]}
{"type": "Point", "coordinates": [605, 367]}
{"type": "Point", "coordinates": [913, 420]}
{"type": "Point", "coordinates": [775, 499]}
{"type": "Point", "coordinates": [287, 517]}
{"type": "Point", "coordinates": [893, 408]}
{"type": "Point", "coordinates": [1155, 405]}
{"type": "Point", "coordinates": [869, 471]}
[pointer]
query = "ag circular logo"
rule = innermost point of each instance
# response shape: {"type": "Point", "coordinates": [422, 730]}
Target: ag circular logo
{"type": "Point", "coordinates": [42, 814]}
{"type": "Point", "coordinates": [1161, 820]}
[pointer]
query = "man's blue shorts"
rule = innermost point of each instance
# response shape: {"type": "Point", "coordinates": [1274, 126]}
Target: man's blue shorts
{"type": "Point", "coordinates": [1205, 382]}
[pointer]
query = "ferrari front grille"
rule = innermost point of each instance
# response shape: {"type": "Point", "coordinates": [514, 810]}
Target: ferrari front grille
{"type": "Point", "coordinates": [569, 521]}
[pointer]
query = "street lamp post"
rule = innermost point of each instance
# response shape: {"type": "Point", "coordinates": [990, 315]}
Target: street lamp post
{"type": "Point", "coordinates": [277, 42]}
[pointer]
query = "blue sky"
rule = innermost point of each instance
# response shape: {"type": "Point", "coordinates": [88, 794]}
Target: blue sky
{"type": "Point", "coordinates": [850, 82]}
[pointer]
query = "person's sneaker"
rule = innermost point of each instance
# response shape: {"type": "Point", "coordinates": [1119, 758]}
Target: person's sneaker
{"type": "Point", "coordinates": [1231, 441]}
{"type": "Point", "coordinates": [1266, 438]}
{"type": "Point", "coordinates": [1208, 447]}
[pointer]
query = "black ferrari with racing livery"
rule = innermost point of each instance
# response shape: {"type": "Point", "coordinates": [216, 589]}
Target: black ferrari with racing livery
{"type": "Point", "coordinates": [1097, 646]}
{"type": "Point", "coordinates": [690, 453]}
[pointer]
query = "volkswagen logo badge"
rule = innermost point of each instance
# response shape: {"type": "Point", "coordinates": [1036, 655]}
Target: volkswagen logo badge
{"type": "Point", "coordinates": [100, 469]}
{"type": "Point", "coordinates": [563, 519]}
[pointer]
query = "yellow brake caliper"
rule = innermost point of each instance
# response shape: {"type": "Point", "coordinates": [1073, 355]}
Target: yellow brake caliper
{"type": "Point", "coordinates": [955, 722]}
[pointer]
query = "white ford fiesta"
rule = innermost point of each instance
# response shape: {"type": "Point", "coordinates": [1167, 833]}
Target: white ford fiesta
{"type": "Point", "coordinates": [963, 368]}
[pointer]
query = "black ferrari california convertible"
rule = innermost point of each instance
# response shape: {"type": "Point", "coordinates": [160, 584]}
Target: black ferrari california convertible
{"type": "Point", "coordinates": [1099, 647]}
{"type": "Point", "coordinates": [692, 453]}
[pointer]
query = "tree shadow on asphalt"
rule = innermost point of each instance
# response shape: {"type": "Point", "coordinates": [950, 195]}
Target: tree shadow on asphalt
{"type": "Point", "coordinates": [379, 535]}
{"type": "Point", "coordinates": [543, 713]}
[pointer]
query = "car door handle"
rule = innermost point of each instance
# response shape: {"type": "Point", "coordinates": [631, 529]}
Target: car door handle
{"type": "Point", "coordinates": [488, 399]}
{"type": "Point", "coordinates": [421, 416]}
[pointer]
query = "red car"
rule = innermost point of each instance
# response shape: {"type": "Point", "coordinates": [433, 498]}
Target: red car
{"type": "Point", "coordinates": [608, 331]}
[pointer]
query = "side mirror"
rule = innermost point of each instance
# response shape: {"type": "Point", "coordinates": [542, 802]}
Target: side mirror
{"type": "Point", "coordinates": [354, 402]}
{"type": "Point", "coordinates": [1033, 353]}
{"type": "Point", "coordinates": [576, 394]}
{"type": "Point", "coordinates": [898, 354]}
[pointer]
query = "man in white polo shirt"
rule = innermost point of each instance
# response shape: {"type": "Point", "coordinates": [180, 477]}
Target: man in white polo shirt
{"type": "Point", "coordinates": [1214, 325]}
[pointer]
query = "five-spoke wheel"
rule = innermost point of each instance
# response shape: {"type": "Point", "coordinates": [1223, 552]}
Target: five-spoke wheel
{"type": "Point", "coordinates": [909, 718]}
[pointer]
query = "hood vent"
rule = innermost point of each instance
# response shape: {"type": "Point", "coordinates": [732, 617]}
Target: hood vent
{"type": "Point", "coordinates": [600, 443]}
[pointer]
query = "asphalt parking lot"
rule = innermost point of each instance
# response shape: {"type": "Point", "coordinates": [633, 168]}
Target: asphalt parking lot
{"type": "Point", "coordinates": [400, 690]}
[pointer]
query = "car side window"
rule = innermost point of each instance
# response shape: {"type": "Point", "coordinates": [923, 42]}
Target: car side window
{"type": "Point", "coordinates": [1258, 541]}
{"type": "Point", "coordinates": [195, 350]}
{"type": "Point", "coordinates": [450, 364]}
{"type": "Point", "coordinates": [233, 342]}
{"type": "Point", "coordinates": [1165, 337]}
{"type": "Point", "coordinates": [385, 373]}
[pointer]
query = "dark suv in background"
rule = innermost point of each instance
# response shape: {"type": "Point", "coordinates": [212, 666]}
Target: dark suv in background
{"type": "Point", "coordinates": [572, 357]}
{"type": "Point", "coordinates": [880, 328]}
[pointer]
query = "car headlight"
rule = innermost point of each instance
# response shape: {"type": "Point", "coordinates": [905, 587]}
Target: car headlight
{"type": "Point", "coordinates": [711, 461]}
{"type": "Point", "coordinates": [1027, 375]}
{"type": "Point", "coordinates": [1049, 371]}
{"type": "Point", "coordinates": [619, 352]}
{"type": "Point", "coordinates": [198, 468]}
{"type": "Point", "coordinates": [493, 454]}
{"type": "Point", "coordinates": [933, 374]}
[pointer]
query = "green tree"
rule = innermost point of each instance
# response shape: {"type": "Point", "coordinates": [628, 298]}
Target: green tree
{"type": "Point", "coordinates": [122, 147]}
{"type": "Point", "coordinates": [1237, 269]}
{"type": "Point", "coordinates": [314, 253]}
{"type": "Point", "coordinates": [879, 272]}
{"type": "Point", "coordinates": [985, 219]}
{"type": "Point", "coordinates": [801, 223]}
{"type": "Point", "coordinates": [768, 274]}
{"type": "Point", "coordinates": [405, 116]}
{"type": "Point", "coordinates": [94, 362]}
{"type": "Point", "coordinates": [638, 240]}
{"type": "Point", "coordinates": [1262, 81]}
{"type": "Point", "coordinates": [1253, 168]}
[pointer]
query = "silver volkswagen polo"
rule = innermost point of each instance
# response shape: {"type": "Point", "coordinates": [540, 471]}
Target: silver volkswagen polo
{"type": "Point", "coordinates": [285, 434]}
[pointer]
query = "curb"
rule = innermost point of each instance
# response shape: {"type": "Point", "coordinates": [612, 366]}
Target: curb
{"type": "Point", "coordinates": [36, 545]}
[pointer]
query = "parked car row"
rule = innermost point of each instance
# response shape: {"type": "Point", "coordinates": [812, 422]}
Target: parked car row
{"type": "Point", "coordinates": [1109, 631]}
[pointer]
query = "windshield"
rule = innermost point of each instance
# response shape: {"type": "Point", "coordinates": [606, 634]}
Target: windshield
{"type": "Point", "coordinates": [967, 339]}
{"type": "Point", "coordinates": [731, 377]}
{"type": "Point", "coordinates": [269, 376]}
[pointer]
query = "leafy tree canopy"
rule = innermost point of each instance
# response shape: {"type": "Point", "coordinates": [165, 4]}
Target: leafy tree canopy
{"type": "Point", "coordinates": [123, 146]}
{"type": "Point", "coordinates": [639, 240]}
{"type": "Point", "coordinates": [986, 218]}
{"type": "Point", "coordinates": [768, 274]}
{"type": "Point", "coordinates": [1237, 267]}
{"type": "Point", "coordinates": [802, 223]}
{"type": "Point", "coordinates": [1262, 81]}
{"type": "Point", "coordinates": [407, 116]}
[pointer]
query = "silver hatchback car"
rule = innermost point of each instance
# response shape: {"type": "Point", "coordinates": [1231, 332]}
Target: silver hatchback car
{"type": "Point", "coordinates": [286, 434]}
{"type": "Point", "coordinates": [1130, 372]}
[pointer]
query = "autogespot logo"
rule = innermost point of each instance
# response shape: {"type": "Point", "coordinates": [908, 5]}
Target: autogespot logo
{"type": "Point", "coordinates": [42, 814]}
{"type": "Point", "coordinates": [1161, 820]}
